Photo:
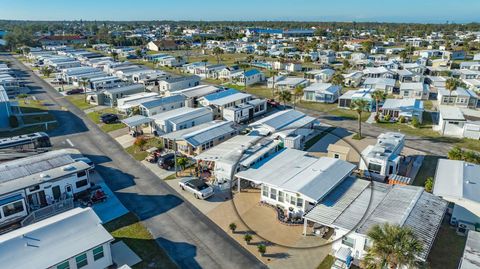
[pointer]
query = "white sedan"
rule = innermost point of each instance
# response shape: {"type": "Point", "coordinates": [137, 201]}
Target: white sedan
{"type": "Point", "coordinates": [200, 189]}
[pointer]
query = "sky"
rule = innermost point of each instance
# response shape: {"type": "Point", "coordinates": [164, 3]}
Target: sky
{"type": "Point", "coordinates": [421, 11]}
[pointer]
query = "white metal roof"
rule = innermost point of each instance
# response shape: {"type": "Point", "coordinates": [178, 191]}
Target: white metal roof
{"type": "Point", "coordinates": [471, 254]}
{"type": "Point", "coordinates": [405, 103]}
{"type": "Point", "coordinates": [229, 151]}
{"type": "Point", "coordinates": [48, 242]}
{"type": "Point", "coordinates": [457, 179]}
{"type": "Point", "coordinates": [283, 120]}
{"type": "Point", "coordinates": [451, 113]}
{"type": "Point", "coordinates": [180, 115]}
{"type": "Point", "coordinates": [325, 88]}
{"type": "Point", "coordinates": [295, 171]}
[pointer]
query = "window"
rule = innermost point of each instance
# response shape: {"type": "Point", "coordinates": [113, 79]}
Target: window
{"type": "Point", "coordinates": [265, 191]}
{"type": "Point", "coordinates": [273, 194]}
{"type": "Point", "coordinates": [64, 265]}
{"type": "Point", "coordinates": [280, 196]}
{"type": "Point", "coordinates": [81, 260]}
{"type": "Point", "coordinates": [98, 253]}
{"type": "Point", "coordinates": [81, 183]}
{"type": "Point", "coordinates": [347, 241]}
{"type": "Point", "coordinates": [336, 156]}
{"type": "Point", "coordinates": [81, 174]}
{"type": "Point", "coordinates": [367, 245]}
{"type": "Point", "coordinates": [13, 208]}
{"type": "Point", "coordinates": [293, 200]}
{"type": "Point", "coordinates": [376, 168]}
{"type": "Point", "coordinates": [300, 202]}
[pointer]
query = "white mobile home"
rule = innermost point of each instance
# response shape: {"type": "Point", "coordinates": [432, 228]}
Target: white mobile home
{"type": "Point", "coordinates": [322, 92]}
{"type": "Point", "coordinates": [180, 118]}
{"type": "Point", "coordinates": [161, 104]}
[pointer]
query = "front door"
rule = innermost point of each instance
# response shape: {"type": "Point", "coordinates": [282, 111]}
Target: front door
{"type": "Point", "coordinates": [69, 190]}
{"type": "Point", "coordinates": [56, 193]}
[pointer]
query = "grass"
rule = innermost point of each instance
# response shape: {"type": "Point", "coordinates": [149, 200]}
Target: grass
{"type": "Point", "coordinates": [447, 248]}
{"type": "Point", "coordinates": [428, 104]}
{"type": "Point", "coordinates": [132, 232]}
{"type": "Point", "coordinates": [170, 177]}
{"type": "Point", "coordinates": [95, 117]}
{"type": "Point", "coordinates": [139, 153]}
{"type": "Point", "coordinates": [317, 138]}
{"type": "Point", "coordinates": [29, 130]}
{"type": "Point", "coordinates": [427, 169]}
{"type": "Point", "coordinates": [327, 262]}
{"type": "Point", "coordinates": [79, 101]}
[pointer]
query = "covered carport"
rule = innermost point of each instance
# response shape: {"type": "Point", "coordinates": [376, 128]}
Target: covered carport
{"type": "Point", "coordinates": [137, 121]}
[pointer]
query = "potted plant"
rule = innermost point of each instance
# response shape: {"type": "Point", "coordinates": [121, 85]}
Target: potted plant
{"type": "Point", "coordinates": [232, 227]}
{"type": "Point", "coordinates": [247, 237]}
{"type": "Point", "coordinates": [262, 249]}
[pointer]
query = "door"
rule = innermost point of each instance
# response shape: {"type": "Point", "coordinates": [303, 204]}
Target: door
{"type": "Point", "coordinates": [56, 193]}
{"type": "Point", "coordinates": [69, 190]}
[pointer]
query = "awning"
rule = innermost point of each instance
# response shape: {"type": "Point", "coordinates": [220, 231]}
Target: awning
{"type": "Point", "coordinates": [11, 199]}
{"type": "Point", "coordinates": [136, 120]}
{"type": "Point", "coordinates": [343, 254]}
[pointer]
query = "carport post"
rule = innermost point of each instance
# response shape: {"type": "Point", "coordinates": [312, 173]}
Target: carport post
{"type": "Point", "coordinates": [238, 184]}
{"type": "Point", "coordinates": [304, 226]}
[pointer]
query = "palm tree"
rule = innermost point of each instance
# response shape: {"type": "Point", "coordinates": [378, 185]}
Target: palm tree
{"type": "Point", "coordinates": [205, 61]}
{"type": "Point", "coordinates": [114, 55]}
{"type": "Point", "coordinates": [337, 79]}
{"type": "Point", "coordinates": [284, 96]}
{"type": "Point", "coordinates": [359, 105]}
{"type": "Point", "coordinates": [250, 58]}
{"type": "Point", "coordinates": [456, 153]}
{"type": "Point", "coordinates": [46, 71]}
{"type": "Point", "coordinates": [83, 84]}
{"type": "Point", "coordinates": [298, 92]}
{"type": "Point", "coordinates": [217, 51]}
{"type": "Point", "coordinates": [452, 84]}
{"type": "Point", "coordinates": [182, 162]}
{"type": "Point", "coordinates": [378, 96]}
{"type": "Point", "coordinates": [273, 73]}
{"type": "Point", "coordinates": [393, 246]}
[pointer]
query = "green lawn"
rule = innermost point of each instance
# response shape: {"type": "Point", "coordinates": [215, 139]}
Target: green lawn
{"type": "Point", "coordinates": [447, 248]}
{"type": "Point", "coordinates": [79, 101]}
{"type": "Point", "coordinates": [317, 138]}
{"type": "Point", "coordinates": [133, 233]}
{"type": "Point", "coordinates": [95, 117]}
{"type": "Point", "coordinates": [140, 154]}
{"type": "Point", "coordinates": [428, 104]}
{"type": "Point", "coordinates": [427, 169]}
{"type": "Point", "coordinates": [327, 262]}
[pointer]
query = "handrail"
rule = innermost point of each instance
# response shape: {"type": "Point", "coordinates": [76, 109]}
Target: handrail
{"type": "Point", "coordinates": [48, 211]}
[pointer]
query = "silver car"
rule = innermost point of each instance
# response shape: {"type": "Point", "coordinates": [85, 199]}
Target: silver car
{"type": "Point", "coordinates": [200, 189]}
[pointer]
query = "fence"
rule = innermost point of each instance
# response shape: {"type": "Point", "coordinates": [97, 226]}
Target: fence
{"type": "Point", "coordinates": [48, 211]}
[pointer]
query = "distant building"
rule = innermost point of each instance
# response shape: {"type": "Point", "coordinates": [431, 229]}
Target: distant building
{"type": "Point", "coordinates": [59, 40]}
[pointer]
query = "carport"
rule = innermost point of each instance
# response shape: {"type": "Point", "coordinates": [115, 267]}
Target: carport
{"type": "Point", "coordinates": [135, 121]}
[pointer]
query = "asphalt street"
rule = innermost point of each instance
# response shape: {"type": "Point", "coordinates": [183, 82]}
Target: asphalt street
{"type": "Point", "coordinates": [189, 237]}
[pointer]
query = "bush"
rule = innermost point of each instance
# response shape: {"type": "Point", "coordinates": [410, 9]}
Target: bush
{"type": "Point", "coordinates": [387, 117]}
{"type": "Point", "coordinates": [402, 119]}
{"type": "Point", "coordinates": [429, 184]}
{"type": "Point", "coordinates": [247, 237]}
{"type": "Point", "coordinates": [377, 118]}
{"type": "Point", "coordinates": [415, 123]}
{"type": "Point", "coordinates": [13, 121]}
{"type": "Point", "coordinates": [232, 227]}
{"type": "Point", "coordinates": [140, 142]}
{"type": "Point", "coordinates": [262, 249]}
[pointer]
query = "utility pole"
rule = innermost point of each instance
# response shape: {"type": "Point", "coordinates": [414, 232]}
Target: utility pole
{"type": "Point", "coordinates": [175, 156]}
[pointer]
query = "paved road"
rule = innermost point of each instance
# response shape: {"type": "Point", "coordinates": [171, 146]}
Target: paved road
{"type": "Point", "coordinates": [189, 237]}
{"type": "Point", "coordinates": [419, 143]}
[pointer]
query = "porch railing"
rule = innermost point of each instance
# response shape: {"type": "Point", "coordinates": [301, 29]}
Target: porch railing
{"type": "Point", "coordinates": [48, 211]}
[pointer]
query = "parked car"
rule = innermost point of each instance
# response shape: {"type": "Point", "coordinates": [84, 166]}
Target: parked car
{"type": "Point", "coordinates": [166, 161]}
{"type": "Point", "coordinates": [109, 118]}
{"type": "Point", "coordinates": [85, 160]}
{"type": "Point", "coordinates": [272, 103]}
{"type": "Point", "coordinates": [74, 91]}
{"type": "Point", "coordinates": [200, 189]}
{"type": "Point", "coordinates": [94, 195]}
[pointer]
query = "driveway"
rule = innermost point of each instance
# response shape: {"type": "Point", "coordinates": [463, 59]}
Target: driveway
{"type": "Point", "coordinates": [189, 237]}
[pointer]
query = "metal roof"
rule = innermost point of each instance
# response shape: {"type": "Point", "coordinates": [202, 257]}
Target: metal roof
{"type": "Point", "coordinates": [136, 120]}
{"type": "Point", "coordinates": [225, 97]}
{"type": "Point", "coordinates": [471, 253]}
{"type": "Point", "coordinates": [163, 100]}
{"type": "Point", "coordinates": [325, 88]}
{"type": "Point", "coordinates": [283, 120]}
{"type": "Point", "coordinates": [295, 171]}
{"type": "Point", "coordinates": [457, 179]}
{"type": "Point", "coordinates": [379, 203]}
{"type": "Point", "coordinates": [229, 151]}
{"type": "Point", "coordinates": [451, 113]}
{"type": "Point", "coordinates": [182, 114]}
{"type": "Point", "coordinates": [48, 242]}
{"type": "Point", "coordinates": [199, 137]}
{"type": "Point", "coordinates": [197, 91]}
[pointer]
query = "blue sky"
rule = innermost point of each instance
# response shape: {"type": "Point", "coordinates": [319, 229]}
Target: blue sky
{"type": "Point", "coordinates": [425, 11]}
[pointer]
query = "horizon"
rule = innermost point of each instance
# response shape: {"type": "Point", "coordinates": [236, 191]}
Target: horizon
{"type": "Point", "coordinates": [424, 12]}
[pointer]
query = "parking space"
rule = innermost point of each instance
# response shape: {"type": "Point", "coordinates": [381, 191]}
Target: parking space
{"type": "Point", "coordinates": [112, 208]}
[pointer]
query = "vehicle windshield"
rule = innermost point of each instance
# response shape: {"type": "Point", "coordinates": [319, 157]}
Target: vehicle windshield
{"type": "Point", "coordinates": [202, 187]}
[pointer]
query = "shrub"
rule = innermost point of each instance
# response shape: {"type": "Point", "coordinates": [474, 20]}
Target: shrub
{"type": "Point", "coordinates": [377, 118]}
{"type": "Point", "coordinates": [262, 249]}
{"type": "Point", "coordinates": [387, 117]}
{"type": "Point", "coordinates": [415, 123]}
{"type": "Point", "coordinates": [402, 119]}
{"type": "Point", "coordinates": [140, 142]}
{"type": "Point", "coordinates": [247, 237]}
{"type": "Point", "coordinates": [13, 121]}
{"type": "Point", "coordinates": [429, 184]}
{"type": "Point", "coordinates": [232, 227]}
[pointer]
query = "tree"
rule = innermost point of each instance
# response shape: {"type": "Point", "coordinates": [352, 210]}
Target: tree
{"type": "Point", "coordinates": [393, 246]}
{"type": "Point", "coordinates": [247, 237]}
{"type": "Point", "coordinates": [456, 153]}
{"type": "Point", "coordinates": [83, 83]}
{"type": "Point", "coordinates": [262, 249]}
{"type": "Point", "coordinates": [232, 227]}
{"type": "Point", "coordinates": [217, 51]}
{"type": "Point", "coordinates": [114, 55]}
{"type": "Point", "coordinates": [359, 106]}
{"type": "Point", "coordinates": [297, 92]}
{"type": "Point", "coordinates": [273, 73]}
{"type": "Point", "coordinates": [367, 46]}
{"type": "Point", "coordinates": [139, 53]}
{"type": "Point", "coordinates": [182, 162]}
{"type": "Point", "coordinates": [250, 58]}
{"type": "Point", "coordinates": [140, 142]}
{"type": "Point", "coordinates": [415, 122]}
{"type": "Point", "coordinates": [205, 61]}
{"type": "Point", "coordinates": [403, 55]}
{"type": "Point", "coordinates": [378, 96]}
{"type": "Point", "coordinates": [429, 184]}
{"type": "Point", "coordinates": [46, 71]}
{"type": "Point", "coordinates": [346, 64]}
{"type": "Point", "coordinates": [337, 79]}
{"type": "Point", "coordinates": [284, 96]}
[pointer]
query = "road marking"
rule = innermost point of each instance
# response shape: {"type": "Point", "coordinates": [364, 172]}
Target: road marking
{"type": "Point", "coordinates": [70, 143]}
